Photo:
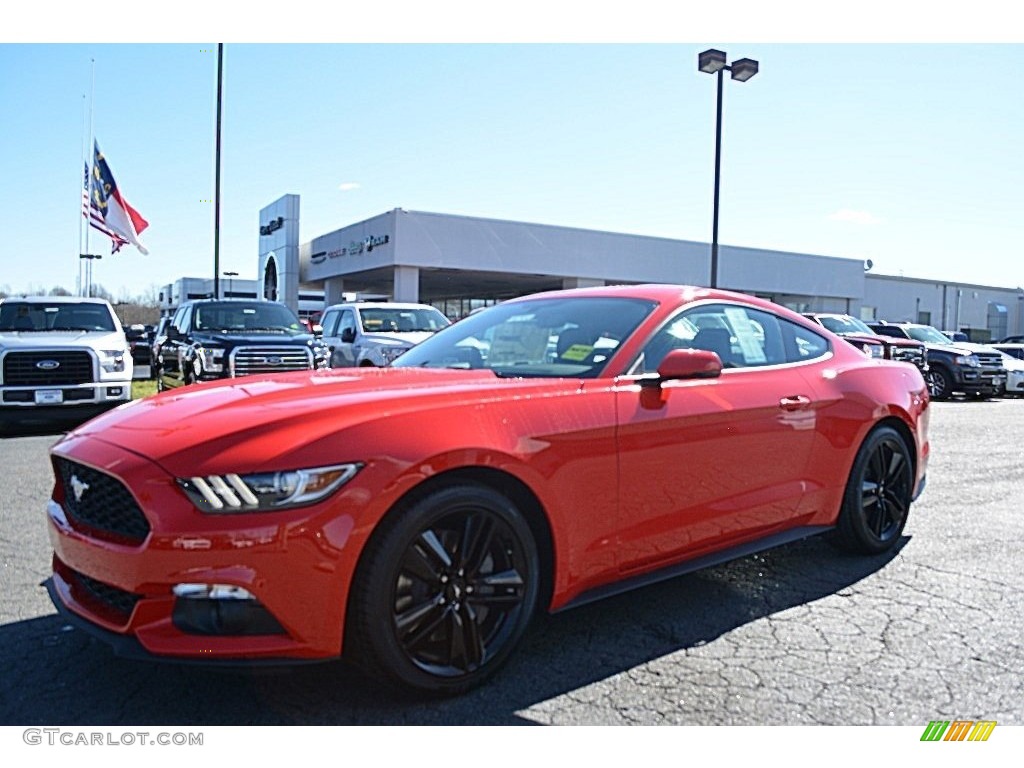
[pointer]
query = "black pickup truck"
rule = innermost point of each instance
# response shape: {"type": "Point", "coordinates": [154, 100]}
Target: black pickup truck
{"type": "Point", "coordinates": [212, 339]}
{"type": "Point", "coordinates": [953, 366]}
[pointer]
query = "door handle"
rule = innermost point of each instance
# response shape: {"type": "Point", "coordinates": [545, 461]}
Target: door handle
{"type": "Point", "coordinates": [794, 403]}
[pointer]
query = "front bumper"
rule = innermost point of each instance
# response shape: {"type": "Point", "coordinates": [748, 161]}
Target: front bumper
{"type": "Point", "coordinates": [297, 564]}
{"type": "Point", "coordinates": [101, 393]}
{"type": "Point", "coordinates": [981, 382]}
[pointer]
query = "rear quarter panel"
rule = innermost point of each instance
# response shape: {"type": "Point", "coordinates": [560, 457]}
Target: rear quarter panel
{"type": "Point", "coordinates": [852, 399]}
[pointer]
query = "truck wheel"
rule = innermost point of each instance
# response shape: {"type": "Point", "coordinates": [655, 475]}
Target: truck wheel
{"type": "Point", "coordinates": [940, 383]}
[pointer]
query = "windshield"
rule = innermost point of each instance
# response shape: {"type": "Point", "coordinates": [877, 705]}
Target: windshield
{"type": "Point", "coordinates": [55, 316]}
{"type": "Point", "coordinates": [555, 337]}
{"type": "Point", "coordinates": [396, 320]}
{"type": "Point", "coordinates": [239, 317]}
{"type": "Point", "coordinates": [927, 334]}
{"type": "Point", "coordinates": [844, 324]}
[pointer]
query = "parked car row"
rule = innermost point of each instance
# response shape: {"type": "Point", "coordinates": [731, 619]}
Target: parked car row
{"type": "Point", "coordinates": [949, 362]}
{"type": "Point", "coordinates": [208, 339]}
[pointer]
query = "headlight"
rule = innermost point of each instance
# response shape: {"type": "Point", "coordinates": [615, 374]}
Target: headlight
{"type": "Point", "coordinates": [211, 359]}
{"type": "Point", "coordinates": [266, 491]}
{"type": "Point", "coordinates": [874, 350]}
{"type": "Point", "coordinates": [390, 354]}
{"type": "Point", "coordinates": [321, 355]}
{"type": "Point", "coordinates": [113, 360]}
{"type": "Point", "coordinates": [971, 361]}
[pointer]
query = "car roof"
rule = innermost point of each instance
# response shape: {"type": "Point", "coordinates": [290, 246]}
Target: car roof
{"type": "Point", "coordinates": [380, 305]}
{"type": "Point", "coordinates": [58, 300]}
{"type": "Point", "coordinates": [669, 293]}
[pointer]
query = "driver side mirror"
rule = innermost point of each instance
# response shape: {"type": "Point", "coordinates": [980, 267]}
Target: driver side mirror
{"type": "Point", "coordinates": [685, 364]}
{"type": "Point", "coordinates": [318, 330]}
{"type": "Point", "coordinates": [173, 334]}
{"type": "Point", "coordinates": [348, 335]}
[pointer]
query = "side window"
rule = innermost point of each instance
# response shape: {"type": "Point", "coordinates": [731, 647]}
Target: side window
{"type": "Point", "coordinates": [329, 321]}
{"type": "Point", "coordinates": [802, 343]}
{"type": "Point", "coordinates": [176, 321]}
{"type": "Point", "coordinates": [184, 320]}
{"type": "Point", "coordinates": [347, 322]}
{"type": "Point", "coordinates": [742, 337]}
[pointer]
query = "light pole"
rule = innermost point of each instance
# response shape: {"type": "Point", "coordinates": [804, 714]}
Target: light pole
{"type": "Point", "coordinates": [229, 275]}
{"type": "Point", "coordinates": [713, 62]}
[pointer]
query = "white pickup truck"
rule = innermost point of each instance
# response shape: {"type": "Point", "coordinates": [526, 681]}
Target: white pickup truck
{"type": "Point", "coordinates": [62, 352]}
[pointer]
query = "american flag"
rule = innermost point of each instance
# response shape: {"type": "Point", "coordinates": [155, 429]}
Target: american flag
{"type": "Point", "coordinates": [91, 211]}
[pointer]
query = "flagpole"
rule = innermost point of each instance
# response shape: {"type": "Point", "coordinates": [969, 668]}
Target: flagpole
{"type": "Point", "coordinates": [82, 203]}
{"type": "Point", "coordinates": [216, 193]}
{"type": "Point", "coordinates": [92, 161]}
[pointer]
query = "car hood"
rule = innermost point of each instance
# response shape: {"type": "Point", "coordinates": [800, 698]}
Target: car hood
{"type": "Point", "coordinates": [254, 421]}
{"type": "Point", "coordinates": [255, 337]}
{"type": "Point", "coordinates": [962, 348]}
{"type": "Point", "coordinates": [408, 338]}
{"type": "Point", "coordinates": [877, 338]}
{"type": "Point", "coordinates": [61, 339]}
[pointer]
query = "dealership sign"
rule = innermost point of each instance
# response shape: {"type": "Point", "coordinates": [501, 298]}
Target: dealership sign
{"type": "Point", "coordinates": [354, 248]}
{"type": "Point", "coordinates": [272, 227]}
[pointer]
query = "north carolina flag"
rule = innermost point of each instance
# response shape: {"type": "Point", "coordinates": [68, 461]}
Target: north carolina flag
{"type": "Point", "coordinates": [119, 217]}
{"type": "Point", "coordinates": [92, 212]}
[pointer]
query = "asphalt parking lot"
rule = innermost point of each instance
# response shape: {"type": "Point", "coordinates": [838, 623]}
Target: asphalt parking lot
{"type": "Point", "coordinates": [799, 635]}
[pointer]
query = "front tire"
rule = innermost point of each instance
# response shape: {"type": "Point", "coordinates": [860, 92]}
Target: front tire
{"type": "Point", "coordinates": [878, 495]}
{"type": "Point", "coordinates": [444, 591]}
{"type": "Point", "coordinates": [940, 384]}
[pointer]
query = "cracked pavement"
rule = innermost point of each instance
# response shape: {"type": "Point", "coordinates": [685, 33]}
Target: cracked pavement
{"type": "Point", "coordinates": [797, 635]}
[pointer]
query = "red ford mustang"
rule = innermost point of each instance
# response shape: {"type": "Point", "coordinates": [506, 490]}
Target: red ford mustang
{"type": "Point", "coordinates": [537, 455]}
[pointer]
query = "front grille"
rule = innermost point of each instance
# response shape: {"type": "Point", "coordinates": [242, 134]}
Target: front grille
{"type": "Point", "coordinates": [249, 360]}
{"type": "Point", "coordinates": [989, 360]}
{"type": "Point", "coordinates": [111, 603]}
{"type": "Point", "coordinates": [913, 355]}
{"type": "Point", "coordinates": [21, 369]}
{"type": "Point", "coordinates": [101, 503]}
{"type": "Point", "coordinates": [117, 599]}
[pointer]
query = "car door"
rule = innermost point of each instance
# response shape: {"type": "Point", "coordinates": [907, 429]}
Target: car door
{"type": "Point", "coordinates": [706, 463]}
{"type": "Point", "coordinates": [344, 354]}
{"type": "Point", "coordinates": [172, 351]}
{"type": "Point", "coordinates": [329, 326]}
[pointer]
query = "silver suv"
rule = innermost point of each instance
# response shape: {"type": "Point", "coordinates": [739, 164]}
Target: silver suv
{"type": "Point", "coordinates": [375, 333]}
{"type": "Point", "coordinates": [62, 351]}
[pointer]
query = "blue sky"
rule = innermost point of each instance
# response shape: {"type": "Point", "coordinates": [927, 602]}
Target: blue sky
{"type": "Point", "coordinates": [908, 155]}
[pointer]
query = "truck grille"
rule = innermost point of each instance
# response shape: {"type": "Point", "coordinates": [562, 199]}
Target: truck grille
{"type": "Point", "coordinates": [101, 503]}
{"type": "Point", "coordinates": [249, 360]}
{"type": "Point", "coordinates": [913, 355]}
{"type": "Point", "coordinates": [989, 360]}
{"type": "Point", "coordinates": [22, 369]}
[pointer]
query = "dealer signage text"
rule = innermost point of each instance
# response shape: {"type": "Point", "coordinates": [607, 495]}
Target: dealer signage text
{"type": "Point", "coordinates": [354, 248]}
{"type": "Point", "coordinates": [272, 227]}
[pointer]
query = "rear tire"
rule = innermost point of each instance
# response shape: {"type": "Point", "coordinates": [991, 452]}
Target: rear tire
{"type": "Point", "coordinates": [444, 591]}
{"type": "Point", "coordinates": [878, 495]}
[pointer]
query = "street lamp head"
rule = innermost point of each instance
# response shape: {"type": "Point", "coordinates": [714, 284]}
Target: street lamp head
{"type": "Point", "coordinates": [743, 69]}
{"type": "Point", "coordinates": [711, 61]}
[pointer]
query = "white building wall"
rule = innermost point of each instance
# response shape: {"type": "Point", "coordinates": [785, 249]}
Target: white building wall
{"type": "Point", "coordinates": [952, 306]}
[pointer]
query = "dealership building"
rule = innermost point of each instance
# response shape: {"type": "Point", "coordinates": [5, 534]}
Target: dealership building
{"type": "Point", "coordinates": [459, 263]}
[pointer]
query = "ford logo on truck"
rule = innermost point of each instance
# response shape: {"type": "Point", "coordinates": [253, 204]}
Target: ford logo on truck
{"type": "Point", "coordinates": [48, 365]}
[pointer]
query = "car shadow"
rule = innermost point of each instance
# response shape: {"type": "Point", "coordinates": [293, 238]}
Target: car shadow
{"type": "Point", "coordinates": [58, 675]}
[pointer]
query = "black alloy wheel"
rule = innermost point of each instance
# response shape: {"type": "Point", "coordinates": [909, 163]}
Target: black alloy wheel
{"type": "Point", "coordinates": [446, 590]}
{"type": "Point", "coordinates": [878, 494]}
{"type": "Point", "coordinates": [940, 385]}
